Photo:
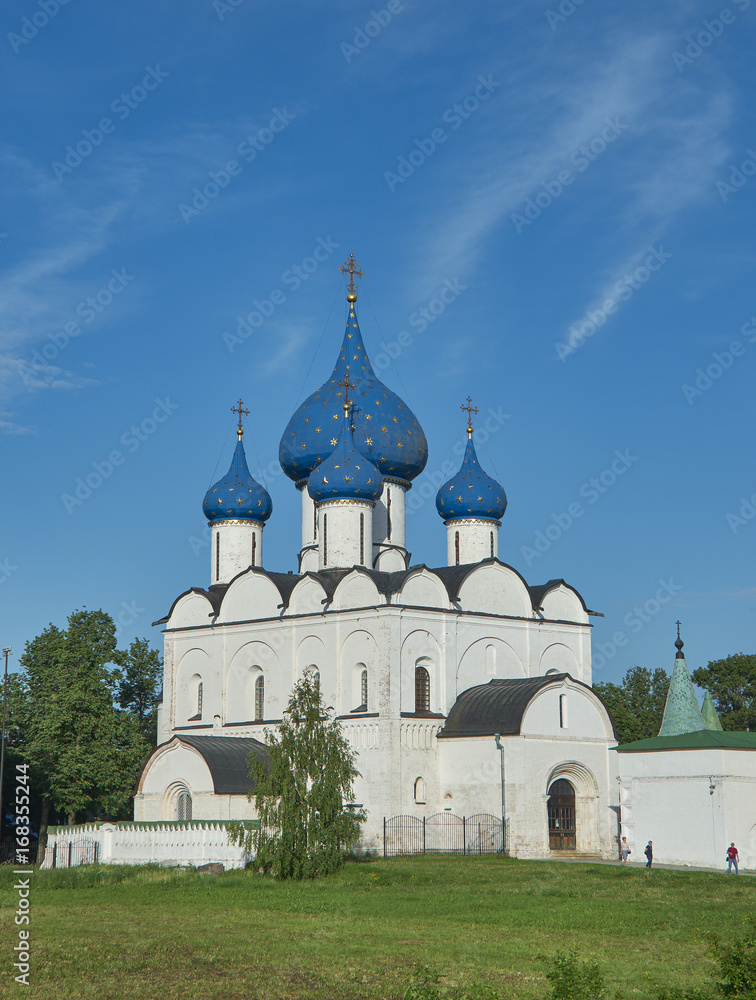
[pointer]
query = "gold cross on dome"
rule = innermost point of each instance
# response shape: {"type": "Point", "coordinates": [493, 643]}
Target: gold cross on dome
{"type": "Point", "coordinates": [347, 386]}
{"type": "Point", "coordinates": [351, 267]}
{"type": "Point", "coordinates": [470, 410]}
{"type": "Point", "coordinates": [238, 409]}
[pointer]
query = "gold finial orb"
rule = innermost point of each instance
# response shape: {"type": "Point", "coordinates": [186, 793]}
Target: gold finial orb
{"type": "Point", "coordinates": [351, 297]}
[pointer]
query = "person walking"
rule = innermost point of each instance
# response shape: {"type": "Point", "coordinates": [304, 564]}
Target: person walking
{"type": "Point", "coordinates": [624, 850]}
{"type": "Point", "coordinates": [649, 852]}
{"type": "Point", "coordinates": [732, 858]}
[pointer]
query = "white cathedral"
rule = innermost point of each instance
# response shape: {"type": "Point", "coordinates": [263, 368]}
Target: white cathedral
{"type": "Point", "coordinates": [462, 688]}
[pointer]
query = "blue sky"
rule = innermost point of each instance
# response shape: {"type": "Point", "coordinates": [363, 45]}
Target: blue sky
{"type": "Point", "coordinates": [576, 179]}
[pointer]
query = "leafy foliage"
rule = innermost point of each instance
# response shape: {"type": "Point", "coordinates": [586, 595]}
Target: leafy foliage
{"type": "Point", "coordinates": [84, 752]}
{"type": "Point", "coordinates": [732, 683]}
{"type": "Point", "coordinates": [299, 796]}
{"type": "Point", "coordinates": [138, 683]}
{"type": "Point", "coordinates": [574, 980]}
{"type": "Point", "coordinates": [637, 705]}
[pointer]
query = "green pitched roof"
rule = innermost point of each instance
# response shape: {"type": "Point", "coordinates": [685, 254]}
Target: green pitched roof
{"type": "Point", "coordinates": [681, 711]}
{"type": "Point", "coordinates": [709, 713]}
{"type": "Point", "coordinates": [704, 739]}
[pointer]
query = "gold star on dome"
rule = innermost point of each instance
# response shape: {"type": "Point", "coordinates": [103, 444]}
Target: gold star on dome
{"type": "Point", "coordinates": [459, 499]}
{"type": "Point", "coordinates": [347, 479]}
{"type": "Point", "coordinates": [334, 441]}
{"type": "Point", "coordinates": [368, 440]}
{"type": "Point", "coordinates": [384, 429]}
{"type": "Point", "coordinates": [238, 499]}
{"type": "Point", "coordinates": [399, 444]}
{"type": "Point", "coordinates": [325, 480]}
{"type": "Point", "coordinates": [219, 500]}
{"type": "Point", "coordinates": [368, 416]}
{"type": "Point", "coordinates": [317, 430]}
{"type": "Point", "coordinates": [396, 420]}
{"type": "Point", "coordinates": [304, 445]}
{"type": "Point", "coordinates": [307, 420]}
{"type": "Point", "coordinates": [480, 500]}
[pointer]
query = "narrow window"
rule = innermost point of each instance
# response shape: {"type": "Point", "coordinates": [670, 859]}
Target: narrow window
{"type": "Point", "coordinates": [420, 791]}
{"type": "Point", "coordinates": [456, 546]}
{"type": "Point", "coordinates": [362, 539]}
{"type": "Point", "coordinates": [184, 807]}
{"type": "Point", "coordinates": [422, 690]}
{"type": "Point", "coordinates": [562, 711]}
{"type": "Point", "coordinates": [254, 548]}
{"type": "Point", "coordinates": [314, 521]}
{"type": "Point", "coordinates": [363, 690]}
{"type": "Point", "coordinates": [492, 546]}
{"type": "Point", "coordinates": [217, 556]}
{"type": "Point", "coordinates": [388, 513]}
{"type": "Point", "coordinates": [325, 539]}
{"type": "Point", "coordinates": [199, 700]}
{"type": "Point", "coordinates": [316, 680]}
{"type": "Point", "coordinates": [260, 698]}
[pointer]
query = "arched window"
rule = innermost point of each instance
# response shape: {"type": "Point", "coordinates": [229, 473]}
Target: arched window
{"type": "Point", "coordinates": [259, 698]}
{"type": "Point", "coordinates": [422, 690]}
{"type": "Point", "coordinates": [456, 547]}
{"type": "Point", "coordinates": [562, 711]}
{"type": "Point", "coordinates": [199, 700]}
{"type": "Point", "coordinates": [364, 690]}
{"type": "Point", "coordinates": [316, 680]}
{"type": "Point", "coordinates": [420, 791]}
{"type": "Point", "coordinates": [184, 806]}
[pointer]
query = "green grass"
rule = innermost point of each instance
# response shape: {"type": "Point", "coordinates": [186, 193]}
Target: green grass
{"type": "Point", "coordinates": [149, 933]}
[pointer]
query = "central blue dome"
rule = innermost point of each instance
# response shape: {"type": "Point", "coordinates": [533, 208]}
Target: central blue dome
{"type": "Point", "coordinates": [386, 430]}
{"type": "Point", "coordinates": [471, 493]}
{"type": "Point", "coordinates": [346, 474]}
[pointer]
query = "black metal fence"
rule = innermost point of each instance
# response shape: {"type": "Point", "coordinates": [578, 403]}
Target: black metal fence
{"type": "Point", "coordinates": [443, 833]}
{"type": "Point", "coordinates": [9, 853]}
{"type": "Point", "coordinates": [69, 853]}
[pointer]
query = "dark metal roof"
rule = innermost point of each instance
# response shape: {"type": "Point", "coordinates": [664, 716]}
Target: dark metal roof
{"type": "Point", "coordinates": [496, 707]}
{"type": "Point", "coordinates": [226, 757]}
{"type": "Point", "coordinates": [704, 739]}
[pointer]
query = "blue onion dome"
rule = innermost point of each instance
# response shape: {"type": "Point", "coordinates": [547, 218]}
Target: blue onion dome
{"type": "Point", "coordinates": [385, 428]}
{"type": "Point", "coordinates": [471, 493]}
{"type": "Point", "coordinates": [346, 474]}
{"type": "Point", "coordinates": [237, 496]}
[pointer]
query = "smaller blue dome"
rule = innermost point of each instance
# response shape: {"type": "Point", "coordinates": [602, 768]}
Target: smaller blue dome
{"type": "Point", "coordinates": [471, 493]}
{"type": "Point", "coordinates": [237, 496]}
{"type": "Point", "coordinates": [346, 474]}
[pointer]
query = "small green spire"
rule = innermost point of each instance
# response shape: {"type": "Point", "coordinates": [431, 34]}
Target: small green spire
{"type": "Point", "coordinates": [681, 711]}
{"type": "Point", "coordinates": [709, 713]}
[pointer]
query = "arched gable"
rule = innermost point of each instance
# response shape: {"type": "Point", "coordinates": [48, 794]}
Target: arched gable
{"type": "Point", "coordinates": [250, 596]}
{"type": "Point", "coordinates": [567, 709]}
{"type": "Point", "coordinates": [563, 603]}
{"type": "Point", "coordinates": [422, 588]}
{"type": "Point", "coordinates": [171, 763]}
{"type": "Point", "coordinates": [485, 659]}
{"type": "Point", "coordinates": [356, 590]}
{"type": "Point", "coordinates": [359, 652]}
{"type": "Point", "coordinates": [307, 597]}
{"type": "Point", "coordinates": [421, 649]}
{"type": "Point", "coordinates": [495, 589]}
{"type": "Point", "coordinates": [191, 609]}
{"type": "Point", "coordinates": [250, 661]}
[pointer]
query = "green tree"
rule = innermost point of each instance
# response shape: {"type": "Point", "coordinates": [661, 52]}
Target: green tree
{"type": "Point", "coordinates": [138, 682]}
{"type": "Point", "coordinates": [637, 704]}
{"type": "Point", "coordinates": [84, 752]}
{"type": "Point", "coordinates": [732, 683]}
{"type": "Point", "coordinates": [299, 793]}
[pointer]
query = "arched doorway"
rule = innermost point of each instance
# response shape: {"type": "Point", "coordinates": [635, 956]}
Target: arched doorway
{"type": "Point", "coordinates": [561, 810]}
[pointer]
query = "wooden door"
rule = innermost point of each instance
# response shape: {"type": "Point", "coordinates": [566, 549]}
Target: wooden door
{"type": "Point", "coordinates": [561, 810]}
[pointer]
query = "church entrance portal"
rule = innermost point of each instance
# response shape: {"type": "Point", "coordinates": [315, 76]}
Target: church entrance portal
{"type": "Point", "coordinates": [561, 810]}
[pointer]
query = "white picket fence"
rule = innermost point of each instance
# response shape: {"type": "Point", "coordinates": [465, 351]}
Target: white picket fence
{"type": "Point", "coordinates": [193, 842]}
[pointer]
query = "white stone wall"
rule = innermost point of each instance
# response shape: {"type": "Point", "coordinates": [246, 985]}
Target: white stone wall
{"type": "Point", "coordinates": [347, 540]}
{"type": "Point", "coordinates": [691, 803]}
{"type": "Point", "coordinates": [476, 540]}
{"type": "Point", "coordinates": [236, 545]}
